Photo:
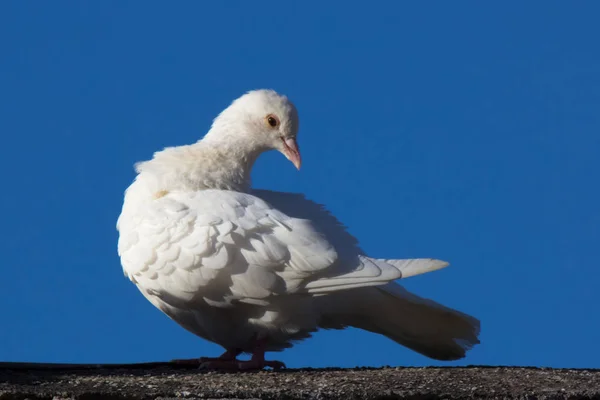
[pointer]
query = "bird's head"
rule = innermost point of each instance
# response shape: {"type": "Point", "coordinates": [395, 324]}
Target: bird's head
{"type": "Point", "coordinates": [264, 119]}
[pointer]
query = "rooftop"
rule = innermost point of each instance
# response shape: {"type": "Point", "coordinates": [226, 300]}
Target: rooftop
{"type": "Point", "coordinates": [163, 380]}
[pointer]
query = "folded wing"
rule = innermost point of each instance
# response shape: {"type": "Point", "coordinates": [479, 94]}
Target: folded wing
{"type": "Point", "coordinates": [222, 247]}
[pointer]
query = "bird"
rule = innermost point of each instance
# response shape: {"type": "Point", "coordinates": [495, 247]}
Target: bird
{"type": "Point", "coordinates": [257, 271]}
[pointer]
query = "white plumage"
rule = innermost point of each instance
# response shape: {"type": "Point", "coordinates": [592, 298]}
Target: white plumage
{"type": "Point", "coordinates": [255, 270]}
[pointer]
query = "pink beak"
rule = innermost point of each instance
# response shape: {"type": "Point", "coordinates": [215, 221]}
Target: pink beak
{"type": "Point", "coordinates": [291, 151]}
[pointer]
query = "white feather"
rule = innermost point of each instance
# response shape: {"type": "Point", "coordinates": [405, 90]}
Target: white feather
{"type": "Point", "coordinates": [231, 264]}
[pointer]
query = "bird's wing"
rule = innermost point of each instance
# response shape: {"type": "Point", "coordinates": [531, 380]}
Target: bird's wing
{"type": "Point", "coordinates": [296, 205]}
{"type": "Point", "coordinates": [221, 245]}
{"type": "Point", "coordinates": [354, 268]}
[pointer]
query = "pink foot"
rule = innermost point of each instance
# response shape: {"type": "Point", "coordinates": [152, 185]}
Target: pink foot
{"type": "Point", "coordinates": [228, 361]}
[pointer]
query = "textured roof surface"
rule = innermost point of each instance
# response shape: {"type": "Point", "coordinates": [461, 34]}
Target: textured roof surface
{"type": "Point", "coordinates": [162, 380]}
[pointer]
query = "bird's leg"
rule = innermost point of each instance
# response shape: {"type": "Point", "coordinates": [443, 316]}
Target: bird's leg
{"type": "Point", "coordinates": [230, 355]}
{"type": "Point", "coordinates": [230, 363]}
{"type": "Point", "coordinates": [257, 361]}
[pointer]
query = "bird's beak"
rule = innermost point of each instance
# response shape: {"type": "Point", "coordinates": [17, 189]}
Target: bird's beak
{"type": "Point", "coordinates": [291, 151]}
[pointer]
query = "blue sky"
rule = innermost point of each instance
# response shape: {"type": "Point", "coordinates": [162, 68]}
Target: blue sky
{"type": "Point", "coordinates": [465, 131]}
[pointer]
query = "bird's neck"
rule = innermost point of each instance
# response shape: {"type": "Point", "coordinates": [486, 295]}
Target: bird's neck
{"type": "Point", "coordinates": [212, 163]}
{"type": "Point", "coordinates": [226, 164]}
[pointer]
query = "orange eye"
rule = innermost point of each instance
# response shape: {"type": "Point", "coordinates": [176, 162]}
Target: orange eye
{"type": "Point", "coordinates": [272, 120]}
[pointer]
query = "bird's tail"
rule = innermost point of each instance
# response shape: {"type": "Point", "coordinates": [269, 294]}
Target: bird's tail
{"type": "Point", "coordinates": [420, 324]}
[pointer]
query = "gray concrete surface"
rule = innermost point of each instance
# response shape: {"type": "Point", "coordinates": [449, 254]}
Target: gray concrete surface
{"type": "Point", "coordinates": [165, 381]}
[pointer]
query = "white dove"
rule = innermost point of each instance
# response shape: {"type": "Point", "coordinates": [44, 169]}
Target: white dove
{"type": "Point", "coordinates": [255, 270]}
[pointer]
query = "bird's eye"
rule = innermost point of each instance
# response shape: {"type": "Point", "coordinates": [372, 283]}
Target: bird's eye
{"type": "Point", "coordinates": [272, 120]}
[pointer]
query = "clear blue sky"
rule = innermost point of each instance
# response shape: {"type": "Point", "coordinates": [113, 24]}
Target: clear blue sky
{"type": "Point", "coordinates": [464, 131]}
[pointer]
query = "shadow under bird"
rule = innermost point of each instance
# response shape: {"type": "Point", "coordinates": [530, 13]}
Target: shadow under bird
{"type": "Point", "coordinates": [257, 270]}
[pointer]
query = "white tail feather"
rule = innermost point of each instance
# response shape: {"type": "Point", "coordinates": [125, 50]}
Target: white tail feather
{"type": "Point", "coordinates": [374, 272]}
{"type": "Point", "coordinates": [416, 266]}
{"type": "Point", "coordinates": [420, 324]}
